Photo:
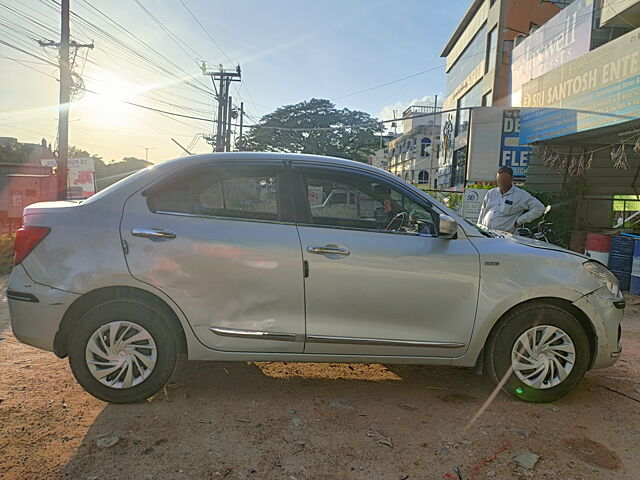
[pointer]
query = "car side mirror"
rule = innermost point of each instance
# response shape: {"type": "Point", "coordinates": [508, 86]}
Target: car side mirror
{"type": "Point", "coordinates": [448, 227]}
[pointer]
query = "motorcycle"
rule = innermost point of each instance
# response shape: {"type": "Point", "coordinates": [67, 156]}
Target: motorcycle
{"type": "Point", "coordinates": [542, 231]}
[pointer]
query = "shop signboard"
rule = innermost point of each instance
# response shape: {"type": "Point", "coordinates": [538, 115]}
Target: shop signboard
{"type": "Point", "coordinates": [81, 177]}
{"type": "Point", "coordinates": [512, 154]}
{"type": "Point", "coordinates": [599, 89]}
{"type": "Point", "coordinates": [563, 38]}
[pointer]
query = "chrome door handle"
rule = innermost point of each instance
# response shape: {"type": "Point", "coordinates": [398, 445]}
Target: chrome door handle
{"type": "Point", "coordinates": [327, 250]}
{"type": "Point", "coordinates": [152, 233]}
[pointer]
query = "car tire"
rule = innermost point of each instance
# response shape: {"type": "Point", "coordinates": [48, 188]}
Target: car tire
{"type": "Point", "coordinates": [530, 325]}
{"type": "Point", "coordinates": [141, 356]}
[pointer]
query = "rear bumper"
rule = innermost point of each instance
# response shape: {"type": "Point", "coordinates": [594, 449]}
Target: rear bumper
{"type": "Point", "coordinates": [35, 310]}
{"type": "Point", "coordinates": [605, 312]}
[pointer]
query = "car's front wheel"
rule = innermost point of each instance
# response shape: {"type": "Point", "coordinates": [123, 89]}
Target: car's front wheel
{"type": "Point", "coordinates": [123, 351]}
{"type": "Point", "coordinates": [538, 353]}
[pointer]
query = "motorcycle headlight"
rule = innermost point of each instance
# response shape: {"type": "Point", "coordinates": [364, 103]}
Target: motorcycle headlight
{"type": "Point", "coordinates": [604, 275]}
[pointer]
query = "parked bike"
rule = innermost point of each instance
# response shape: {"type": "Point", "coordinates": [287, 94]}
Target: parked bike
{"type": "Point", "coordinates": [543, 231]}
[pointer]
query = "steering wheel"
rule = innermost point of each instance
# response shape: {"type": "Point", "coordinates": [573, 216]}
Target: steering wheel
{"type": "Point", "coordinates": [402, 216]}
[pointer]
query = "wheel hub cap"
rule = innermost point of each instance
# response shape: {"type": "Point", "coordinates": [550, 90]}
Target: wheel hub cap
{"type": "Point", "coordinates": [543, 357]}
{"type": "Point", "coordinates": [121, 354]}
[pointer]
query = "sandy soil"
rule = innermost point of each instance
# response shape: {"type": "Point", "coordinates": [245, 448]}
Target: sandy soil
{"type": "Point", "coordinates": [314, 421]}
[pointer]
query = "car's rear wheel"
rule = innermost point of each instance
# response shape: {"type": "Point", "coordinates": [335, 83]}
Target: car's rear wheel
{"type": "Point", "coordinates": [123, 350]}
{"type": "Point", "coordinates": [538, 352]}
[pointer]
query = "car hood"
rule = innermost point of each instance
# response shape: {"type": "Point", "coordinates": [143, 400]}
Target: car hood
{"type": "Point", "coordinates": [530, 242]}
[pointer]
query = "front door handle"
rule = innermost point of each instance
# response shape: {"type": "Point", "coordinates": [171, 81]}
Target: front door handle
{"type": "Point", "coordinates": [328, 250]}
{"type": "Point", "coordinates": [152, 233]}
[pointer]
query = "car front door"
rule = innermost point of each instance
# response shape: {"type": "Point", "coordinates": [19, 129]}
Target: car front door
{"type": "Point", "coordinates": [219, 241]}
{"type": "Point", "coordinates": [380, 280]}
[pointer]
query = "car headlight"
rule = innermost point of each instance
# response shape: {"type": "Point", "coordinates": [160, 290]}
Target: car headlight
{"type": "Point", "coordinates": [604, 275]}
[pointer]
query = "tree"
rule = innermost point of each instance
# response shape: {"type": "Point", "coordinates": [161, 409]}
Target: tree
{"type": "Point", "coordinates": [340, 139]}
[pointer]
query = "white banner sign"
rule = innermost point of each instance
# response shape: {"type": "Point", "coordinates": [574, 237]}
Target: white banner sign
{"type": "Point", "coordinates": [471, 203]}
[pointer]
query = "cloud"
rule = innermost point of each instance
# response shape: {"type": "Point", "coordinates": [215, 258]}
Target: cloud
{"type": "Point", "coordinates": [387, 111]}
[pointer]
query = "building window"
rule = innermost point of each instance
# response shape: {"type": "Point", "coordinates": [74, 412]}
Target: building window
{"type": "Point", "coordinates": [423, 176]}
{"type": "Point", "coordinates": [492, 46]}
{"type": "Point", "coordinates": [487, 99]}
{"type": "Point", "coordinates": [473, 98]}
{"type": "Point", "coordinates": [469, 59]}
{"type": "Point", "coordinates": [425, 145]}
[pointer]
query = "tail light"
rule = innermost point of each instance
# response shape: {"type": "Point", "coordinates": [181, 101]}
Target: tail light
{"type": "Point", "coordinates": [27, 238]}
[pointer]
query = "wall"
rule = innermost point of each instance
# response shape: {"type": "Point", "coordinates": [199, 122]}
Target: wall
{"type": "Point", "coordinates": [600, 179]}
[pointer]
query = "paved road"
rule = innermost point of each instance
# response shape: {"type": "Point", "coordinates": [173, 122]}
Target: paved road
{"type": "Point", "coordinates": [314, 421]}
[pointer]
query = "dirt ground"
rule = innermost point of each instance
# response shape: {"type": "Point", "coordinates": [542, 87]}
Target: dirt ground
{"type": "Point", "coordinates": [314, 421]}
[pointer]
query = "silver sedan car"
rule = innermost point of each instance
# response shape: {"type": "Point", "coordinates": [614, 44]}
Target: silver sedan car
{"type": "Point", "coordinates": [299, 258]}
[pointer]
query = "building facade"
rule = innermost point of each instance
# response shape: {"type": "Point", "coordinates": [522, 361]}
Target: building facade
{"type": "Point", "coordinates": [413, 156]}
{"type": "Point", "coordinates": [583, 117]}
{"type": "Point", "coordinates": [478, 65]}
{"type": "Point", "coordinates": [379, 158]}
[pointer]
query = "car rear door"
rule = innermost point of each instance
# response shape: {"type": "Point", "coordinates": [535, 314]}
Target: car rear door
{"type": "Point", "coordinates": [218, 239]}
{"type": "Point", "coordinates": [376, 292]}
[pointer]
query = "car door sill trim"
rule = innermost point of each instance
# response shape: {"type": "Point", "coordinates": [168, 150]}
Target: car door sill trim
{"type": "Point", "coordinates": [381, 341]}
{"type": "Point", "coordinates": [257, 334]}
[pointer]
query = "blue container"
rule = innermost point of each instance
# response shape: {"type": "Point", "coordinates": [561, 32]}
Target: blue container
{"type": "Point", "coordinates": [620, 263]}
{"type": "Point", "coordinates": [624, 279]}
{"type": "Point", "coordinates": [622, 245]}
{"type": "Point", "coordinates": [635, 285]}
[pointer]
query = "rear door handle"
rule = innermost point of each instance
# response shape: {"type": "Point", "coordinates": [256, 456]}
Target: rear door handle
{"type": "Point", "coordinates": [328, 250]}
{"type": "Point", "coordinates": [152, 233]}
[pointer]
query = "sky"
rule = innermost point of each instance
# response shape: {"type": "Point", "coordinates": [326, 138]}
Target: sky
{"type": "Point", "coordinates": [289, 51]}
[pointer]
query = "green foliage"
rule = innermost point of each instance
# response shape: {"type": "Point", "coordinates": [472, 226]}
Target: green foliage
{"type": "Point", "coordinates": [563, 210]}
{"type": "Point", "coordinates": [6, 253]}
{"type": "Point", "coordinates": [15, 153]}
{"type": "Point", "coordinates": [109, 173]}
{"type": "Point", "coordinates": [351, 143]}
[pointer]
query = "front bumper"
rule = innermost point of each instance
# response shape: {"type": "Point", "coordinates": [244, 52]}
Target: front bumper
{"type": "Point", "coordinates": [35, 310]}
{"type": "Point", "coordinates": [605, 312]}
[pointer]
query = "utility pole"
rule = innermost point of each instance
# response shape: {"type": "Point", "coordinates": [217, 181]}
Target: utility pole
{"type": "Point", "coordinates": [433, 138]}
{"type": "Point", "coordinates": [146, 152]}
{"type": "Point", "coordinates": [62, 172]}
{"type": "Point", "coordinates": [63, 109]}
{"type": "Point", "coordinates": [227, 143]}
{"type": "Point", "coordinates": [241, 120]}
{"type": "Point", "coordinates": [222, 140]}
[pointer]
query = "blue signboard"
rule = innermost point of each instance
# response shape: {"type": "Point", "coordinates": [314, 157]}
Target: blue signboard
{"type": "Point", "coordinates": [512, 154]}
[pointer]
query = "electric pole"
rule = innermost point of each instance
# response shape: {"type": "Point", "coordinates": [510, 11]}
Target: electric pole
{"type": "Point", "coordinates": [63, 108]}
{"type": "Point", "coordinates": [62, 171]}
{"type": "Point", "coordinates": [241, 122]}
{"type": "Point", "coordinates": [222, 140]}
{"type": "Point", "coordinates": [146, 152]}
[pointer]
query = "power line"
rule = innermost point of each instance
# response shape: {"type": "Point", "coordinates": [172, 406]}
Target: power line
{"type": "Point", "coordinates": [179, 42]}
{"type": "Point", "coordinates": [207, 32]}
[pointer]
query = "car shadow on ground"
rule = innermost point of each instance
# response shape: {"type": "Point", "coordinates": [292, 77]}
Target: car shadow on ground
{"type": "Point", "coordinates": [307, 421]}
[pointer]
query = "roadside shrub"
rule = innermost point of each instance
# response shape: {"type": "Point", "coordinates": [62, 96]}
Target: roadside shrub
{"type": "Point", "coordinates": [6, 253]}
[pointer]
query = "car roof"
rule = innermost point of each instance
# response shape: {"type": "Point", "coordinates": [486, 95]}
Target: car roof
{"type": "Point", "coordinates": [260, 156]}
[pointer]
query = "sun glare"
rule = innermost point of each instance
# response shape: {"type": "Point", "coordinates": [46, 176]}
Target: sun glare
{"type": "Point", "coordinates": [107, 106]}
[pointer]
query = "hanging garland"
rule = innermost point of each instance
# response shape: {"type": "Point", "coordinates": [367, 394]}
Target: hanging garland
{"type": "Point", "coordinates": [619, 157]}
{"type": "Point", "coordinates": [579, 163]}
